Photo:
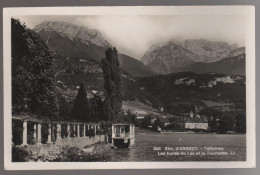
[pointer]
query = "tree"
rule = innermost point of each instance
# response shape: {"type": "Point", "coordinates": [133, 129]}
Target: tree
{"type": "Point", "coordinates": [126, 117]}
{"type": "Point", "coordinates": [33, 87]}
{"type": "Point", "coordinates": [240, 123]}
{"type": "Point", "coordinates": [81, 109]}
{"type": "Point", "coordinates": [112, 84]}
{"type": "Point", "coordinates": [225, 124]}
{"type": "Point", "coordinates": [157, 123]}
{"type": "Point", "coordinates": [65, 106]}
{"type": "Point", "coordinates": [146, 122]}
{"type": "Point", "coordinates": [213, 123]}
{"type": "Point", "coordinates": [97, 108]}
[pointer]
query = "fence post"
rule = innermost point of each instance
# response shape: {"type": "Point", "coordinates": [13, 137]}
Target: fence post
{"type": "Point", "coordinates": [88, 130]}
{"type": "Point", "coordinates": [49, 133]}
{"type": "Point", "coordinates": [74, 130]}
{"type": "Point", "coordinates": [78, 130]}
{"type": "Point", "coordinates": [130, 129]}
{"type": "Point", "coordinates": [98, 128]}
{"type": "Point", "coordinates": [39, 133]}
{"type": "Point", "coordinates": [58, 131]}
{"type": "Point", "coordinates": [68, 130]}
{"type": "Point", "coordinates": [113, 132]}
{"type": "Point", "coordinates": [24, 133]}
{"type": "Point", "coordinates": [35, 133]}
{"type": "Point", "coordinates": [84, 130]}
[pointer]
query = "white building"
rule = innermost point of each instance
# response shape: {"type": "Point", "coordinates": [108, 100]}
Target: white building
{"type": "Point", "coordinates": [196, 125]}
{"type": "Point", "coordinates": [140, 114]}
{"type": "Point", "coordinates": [195, 122]}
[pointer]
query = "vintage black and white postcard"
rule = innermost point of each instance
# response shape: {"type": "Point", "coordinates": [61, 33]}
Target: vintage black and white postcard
{"type": "Point", "coordinates": [129, 87]}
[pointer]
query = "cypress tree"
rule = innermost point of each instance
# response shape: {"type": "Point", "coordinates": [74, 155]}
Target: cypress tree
{"type": "Point", "coordinates": [112, 84]}
{"type": "Point", "coordinates": [81, 110]}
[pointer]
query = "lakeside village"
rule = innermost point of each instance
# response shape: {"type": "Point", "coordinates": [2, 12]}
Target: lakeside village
{"type": "Point", "coordinates": [165, 123]}
{"type": "Point", "coordinates": [192, 123]}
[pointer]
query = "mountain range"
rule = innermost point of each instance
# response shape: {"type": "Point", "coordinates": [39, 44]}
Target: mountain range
{"type": "Point", "coordinates": [174, 56]}
{"type": "Point", "coordinates": [82, 42]}
{"type": "Point", "coordinates": [197, 55]}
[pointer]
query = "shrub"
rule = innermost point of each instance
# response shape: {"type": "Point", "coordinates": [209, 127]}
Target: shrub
{"type": "Point", "coordinates": [20, 154]}
{"type": "Point", "coordinates": [70, 154]}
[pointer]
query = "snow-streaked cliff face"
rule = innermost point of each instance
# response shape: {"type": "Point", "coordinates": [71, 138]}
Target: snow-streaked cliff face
{"type": "Point", "coordinates": [209, 51]}
{"type": "Point", "coordinates": [172, 55]}
{"type": "Point", "coordinates": [70, 31]}
{"type": "Point", "coordinates": [165, 58]}
{"type": "Point", "coordinates": [238, 51]}
{"type": "Point", "coordinates": [202, 50]}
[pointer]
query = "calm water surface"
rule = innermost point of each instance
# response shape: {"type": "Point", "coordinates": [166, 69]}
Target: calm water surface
{"type": "Point", "coordinates": [145, 141]}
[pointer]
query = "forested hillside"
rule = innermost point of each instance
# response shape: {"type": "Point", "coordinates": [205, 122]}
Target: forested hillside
{"type": "Point", "coordinates": [182, 92]}
{"type": "Point", "coordinates": [33, 83]}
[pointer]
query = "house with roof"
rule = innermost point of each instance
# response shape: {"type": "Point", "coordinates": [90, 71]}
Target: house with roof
{"type": "Point", "coordinates": [196, 125]}
{"type": "Point", "coordinates": [140, 114]}
{"type": "Point", "coordinates": [196, 122]}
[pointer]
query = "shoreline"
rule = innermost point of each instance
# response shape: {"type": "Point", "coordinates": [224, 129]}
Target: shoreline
{"type": "Point", "coordinates": [187, 132]}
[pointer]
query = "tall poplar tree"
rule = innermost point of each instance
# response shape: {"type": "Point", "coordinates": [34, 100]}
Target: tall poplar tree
{"type": "Point", "coordinates": [112, 84]}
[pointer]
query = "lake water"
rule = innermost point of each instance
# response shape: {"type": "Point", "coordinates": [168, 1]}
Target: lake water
{"type": "Point", "coordinates": [150, 146]}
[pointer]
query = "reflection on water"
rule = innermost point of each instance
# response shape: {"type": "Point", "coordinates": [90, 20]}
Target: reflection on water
{"type": "Point", "coordinates": [146, 140]}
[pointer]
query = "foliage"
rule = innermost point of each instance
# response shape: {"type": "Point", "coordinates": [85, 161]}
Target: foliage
{"type": "Point", "coordinates": [112, 84]}
{"type": "Point", "coordinates": [240, 123]}
{"type": "Point", "coordinates": [33, 89]}
{"type": "Point", "coordinates": [210, 112]}
{"type": "Point", "coordinates": [20, 154]}
{"type": "Point", "coordinates": [127, 117]}
{"type": "Point", "coordinates": [179, 98]}
{"type": "Point", "coordinates": [146, 122]}
{"type": "Point", "coordinates": [97, 109]}
{"type": "Point", "coordinates": [65, 106]}
{"type": "Point", "coordinates": [213, 124]}
{"type": "Point", "coordinates": [157, 123]}
{"type": "Point", "coordinates": [175, 126]}
{"type": "Point", "coordinates": [71, 154]}
{"type": "Point", "coordinates": [17, 130]}
{"type": "Point", "coordinates": [81, 110]}
{"type": "Point", "coordinates": [225, 124]}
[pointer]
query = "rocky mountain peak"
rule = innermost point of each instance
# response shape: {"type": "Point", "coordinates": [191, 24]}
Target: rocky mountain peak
{"type": "Point", "coordinates": [173, 55]}
{"type": "Point", "coordinates": [237, 51]}
{"type": "Point", "coordinates": [84, 43]}
{"type": "Point", "coordinates": [72, 32]}
{"type": "Point", "coordinates": [209, 51]}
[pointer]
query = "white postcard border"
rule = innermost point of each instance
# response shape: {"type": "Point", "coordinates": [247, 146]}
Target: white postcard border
{"type": "Point", "coordinates": [247, 11]}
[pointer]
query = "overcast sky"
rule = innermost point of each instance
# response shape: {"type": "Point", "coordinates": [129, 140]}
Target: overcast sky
{"type": "Point", "coordinates": [133, 35]}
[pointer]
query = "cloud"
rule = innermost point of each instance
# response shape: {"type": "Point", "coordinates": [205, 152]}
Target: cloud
{"type": "Point", "coordinates": [133, 35]}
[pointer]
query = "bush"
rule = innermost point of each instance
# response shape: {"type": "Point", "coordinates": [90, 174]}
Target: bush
{"type": "Point", "coordinates": [71, 154]}
{"type": "Point", "coordinates": [20, 154]}
{"type": "Point", "coordinates": [74, 154]}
